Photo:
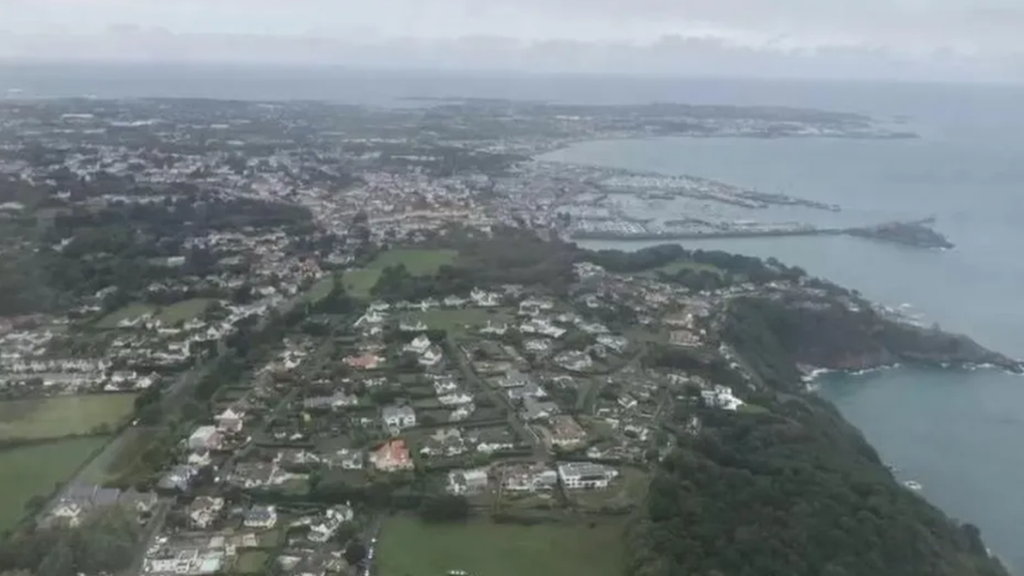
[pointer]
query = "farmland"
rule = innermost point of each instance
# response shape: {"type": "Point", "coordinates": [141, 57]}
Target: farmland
{"type": "Point", "coordinates": [483, 548]}
{"type": "Point", "coordinates": [31, 471]}
{"type": "Point", "coordinates": [60, 416]}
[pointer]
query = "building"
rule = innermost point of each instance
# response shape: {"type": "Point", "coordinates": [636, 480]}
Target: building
{"type": "Point", "coordinates": [392, 456]}
{"type": "Point", "coordinates": [264, 517]}
{"type": "Point", "coordinates": [528, 478]}
{"type": "Point", "coordinates": [204, 437]}
{"type": "Point", "coordinates": [398, 417]}
{"type": "Point", "coordinates": [585, 475]}
{"type": "Point", "coordinates": [230, 420]}
{"type": "Point", "coordinates": [463, 482]}
{"type": "Point", "coordinates": [204, 510]}
{"type": "Point", "coordinates": [419, 345]}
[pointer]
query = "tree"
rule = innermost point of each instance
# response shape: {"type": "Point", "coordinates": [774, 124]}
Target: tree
{"type": "Point", "coordinates": [445, 508]}
{"type": "Point", "coordinates": [355, 552]}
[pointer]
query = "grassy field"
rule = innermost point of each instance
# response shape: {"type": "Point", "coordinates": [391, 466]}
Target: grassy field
{"type": "Point", "coordinates": [251, 562]}
{"type": "Point", "coordinates": [62, 415]}
{"type": "Point", "coordinates": [680, 265]}
{"type": "Point", "coordinates": [127, 313]}
{"type": "Point", "coordinates": [418, 262]}
{"type": "Point", "coordinates": [482, 548]}
{"type": "Point", "coordinates": [35, 470]}
{"type": "Point", "coordinates": [320, 289]}
{"type": "Point", "coordinates": [183, 311]}
{"type": "Point", "coordinates": [459, 320]}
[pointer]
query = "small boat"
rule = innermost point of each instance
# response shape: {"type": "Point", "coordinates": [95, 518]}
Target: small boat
{"type": "Point", "coordinates": [912, 485]}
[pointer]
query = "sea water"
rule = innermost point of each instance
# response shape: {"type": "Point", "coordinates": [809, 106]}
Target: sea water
{"type": "Point", "coordinates": [955, 432]}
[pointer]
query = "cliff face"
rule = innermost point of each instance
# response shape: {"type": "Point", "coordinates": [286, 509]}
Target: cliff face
{"type": "Point", "coordinates": [827, 334]}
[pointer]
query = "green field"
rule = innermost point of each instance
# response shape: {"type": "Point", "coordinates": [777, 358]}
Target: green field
{"type": "Point", "coordinates": [680, 265]}
{"type": "Point", "coordinates": [63, 415]}
{"type": "Point", "coordinates": [320, 289]}
{"type": "Point", "coordinates": [183, 311]}
{"type": "Point", "coordinates": [417, 261]}
{"type": "Point", "coordinates": [456, 320]}
{"type": "Point", "coordinates": [127, 313]}
{"type": "Point", "coordinates": [482, 548]}
{"type": "Point", "coordinates": [251, 562]}
{"type": "Point", "coordinates": [35, 470]}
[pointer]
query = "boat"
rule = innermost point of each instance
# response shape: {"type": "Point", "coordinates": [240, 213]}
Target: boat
{"type": "Point", "coordinates": [911, 484]}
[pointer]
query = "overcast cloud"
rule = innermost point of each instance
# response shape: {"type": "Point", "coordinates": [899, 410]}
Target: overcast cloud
{"type": "Point", "coordinates": [969, 39]}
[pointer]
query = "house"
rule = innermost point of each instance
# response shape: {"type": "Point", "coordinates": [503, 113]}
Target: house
{"type": "Point", "coordinates": [81, 499]}
{"type": "Point", "coordinates": [535, 409]}
{"type": "Point", "coordinates": [585, 475]}
{"type": "Point", "coordinates": [565, 432]}
{"type": "Point", "coordinates": [323, 530]}
{"type": "Point", "coordinates": [141, 502]}
{"type": "Point", "coordinates": [347, 459]}
{"type": "Point", "coordinates": [721, 397]}
{"type": "Point", "coordinates": [514, 379]}
{"type": "Point", "coordinates": [418, 346]}
{"type": "Point", "coordinates": [178, 478]}
{"type": "Point", "coordinates": [432, 357]}
{"type": "Point", "coordinates": [418, 326]}
{"type": "Point", "coordinates": [367, 361]}
{"type": "Point", "coordinates": [230, 420]}
{"type": "Point", "coordinates": [454, 302]}
{"type": "Point", "coordinates": [204, 510]}
{"type": "Point", "coordinates": [392, 456]}
{"type": "Point", "coordinates": [484, 299]}
{"type": "Point", "coordinates": [207, 437]}
{"type": "Point", "coordinates": [337, 400]}
{"type": "Point", "coordinates": [463, 482]}
{"type": "Point", "coordinates": [528, 478]}
{"type": "Point", "coordinates": [398, 417]}
{"type": "Point", "coordinates": [264, 517]}
{"type": "Point", "coordinates": [616, 343]}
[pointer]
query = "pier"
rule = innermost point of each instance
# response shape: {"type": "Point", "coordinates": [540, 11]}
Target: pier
{"type": "Point", "coordinates": [915, 233]}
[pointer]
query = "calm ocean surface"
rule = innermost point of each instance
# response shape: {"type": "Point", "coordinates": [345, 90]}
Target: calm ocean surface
{"type": "Point", "coordinates": [954, 432]}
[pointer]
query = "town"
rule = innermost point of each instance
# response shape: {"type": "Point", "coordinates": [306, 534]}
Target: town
{"type": "Point", "coordinates": [299, 338]}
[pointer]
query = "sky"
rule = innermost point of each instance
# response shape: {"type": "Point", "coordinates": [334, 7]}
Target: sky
{"type": "Point", "coordinates": [949, 39]}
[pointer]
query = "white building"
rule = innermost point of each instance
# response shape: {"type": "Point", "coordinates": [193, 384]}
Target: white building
{"type": "Point", "coordinates": [585, 475]}
{"type": "Point", "coordinates": [398, 418]}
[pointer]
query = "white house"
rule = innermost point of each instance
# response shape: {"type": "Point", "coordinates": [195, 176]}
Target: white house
{"type": "Point", "coordinates": [419, 345]}
{"type": "Point", "coordinates": [204, 437]}
{"type": "Point", "coordinates": [397, 418]}
{"type": "Point", "coordinates": [462, 482]}
{"type": "Point", "coordinates": [230, 420]}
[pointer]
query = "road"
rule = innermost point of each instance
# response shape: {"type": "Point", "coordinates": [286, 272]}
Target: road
{"type": "Point", "coordinates": [522, 430]}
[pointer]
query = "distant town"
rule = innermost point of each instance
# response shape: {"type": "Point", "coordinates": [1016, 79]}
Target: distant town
{"type": "Point", "coordinates": [311, 339]}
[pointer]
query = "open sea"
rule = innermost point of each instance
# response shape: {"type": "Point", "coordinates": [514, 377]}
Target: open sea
{"type": "Point", "coordinates": [957, 433]}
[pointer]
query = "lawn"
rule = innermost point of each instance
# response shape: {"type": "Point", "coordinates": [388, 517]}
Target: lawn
{"type": "Point", "coordinates": [183, 311]}
{"type": "Point", "coordinates": [418, 262]}
{"type": "Point", "coordinates": [63, 415]}
{"type": "Point", "coordinates": [251, 562]}
{"type": "Point", "coordinates": [320, 289]}
{"type": "Point", "coordinates": [483, 548]}
{"type": "Point", "coordinates": [35, 470]}
{"type": "Point", "coordinates": [457, 320]}
{"type": "Point", "coordinates": [129, 312]}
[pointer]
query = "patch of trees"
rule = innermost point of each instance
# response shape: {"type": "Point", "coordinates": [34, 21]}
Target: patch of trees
{"type": "Point", "coordinates": [445, 508]}
{"type": "Point", "coordinates": [798, 492]}
{"type": "Point", "coordinates": [106, 542]}
{"type": "Point", "coordinates": [732, 267]}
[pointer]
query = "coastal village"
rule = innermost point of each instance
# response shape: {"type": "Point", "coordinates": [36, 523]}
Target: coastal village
{"type": "Point", "coordinates": [266, 351]}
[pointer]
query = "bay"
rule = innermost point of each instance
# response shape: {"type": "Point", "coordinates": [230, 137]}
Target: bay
{"type": "Point", "coordinates": [954, 432]}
